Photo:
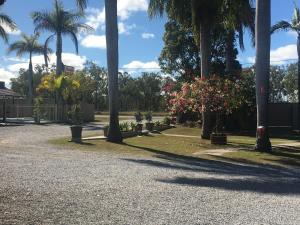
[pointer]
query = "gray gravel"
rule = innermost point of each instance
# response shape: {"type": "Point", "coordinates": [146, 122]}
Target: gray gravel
{"type": "Point", "coordinates": [44, 184]}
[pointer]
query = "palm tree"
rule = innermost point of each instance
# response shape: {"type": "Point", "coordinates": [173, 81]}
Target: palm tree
{"type": "Point", "coordinates": [6, 21]}
{"type": "Point", "coordinates": [114, 134]}
{"type": "Point", "coordinates": [60, 22]}
{"type": "Point", "coordinates": [29, 45]}
{"type": "Point", "coordinates": [204, 16]}
{"type": "Point", "coordinates": [294, 25]}
{"type": "Point", "coordinates": [238, 15]}
{"type": "Point", "coordinates": [262, 69]}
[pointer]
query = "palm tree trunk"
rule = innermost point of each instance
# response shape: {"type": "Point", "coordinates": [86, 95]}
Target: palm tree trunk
{"type": "Point", "coordinates": [263, 23]}
{"type": "Point", "coordinates": [30, 80]}
{"type": "Point", "coordinates": [59, 64]}
{"type": "Point", "coordinates": [298, 51]}
{"type": "Point", "coordinates": [229, 53]}
{"type": "Point", "coordinates": [114, 134]}
{"type": "Point", "coordinates": [205, 47]}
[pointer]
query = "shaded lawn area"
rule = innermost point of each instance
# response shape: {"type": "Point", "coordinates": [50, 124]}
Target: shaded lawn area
{"type": "Point", "coordinates": [195, 148]}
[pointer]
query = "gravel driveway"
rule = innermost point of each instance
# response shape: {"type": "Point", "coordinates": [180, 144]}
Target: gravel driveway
{"type": "Point", "coordinates": [45, 184]}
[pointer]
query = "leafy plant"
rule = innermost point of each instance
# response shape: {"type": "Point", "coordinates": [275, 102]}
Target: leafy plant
{"type": "Point", "coordinates": [157, 123]}
{"type": "Point", "coordinates": [124, 126]}
{"type": "Point", "coordinates": [132, 126]}
{"type": "Point", "coordinates": [75, 114]}
{"type": "Point", "coordinates": [138, 117]}
{"type": "Point", "coordinates": [148, 117]}
{"type": "Point", "coordinates": [167, 120]}
{"type": "Point", "coordinates": [38, 111]}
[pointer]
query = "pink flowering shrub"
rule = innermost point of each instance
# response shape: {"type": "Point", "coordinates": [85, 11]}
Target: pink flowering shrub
{"type": "Point", "coordinates": [215, 94]}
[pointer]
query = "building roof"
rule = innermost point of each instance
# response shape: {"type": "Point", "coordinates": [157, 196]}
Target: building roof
{"type": "Point", "coordinates": [7, 93]}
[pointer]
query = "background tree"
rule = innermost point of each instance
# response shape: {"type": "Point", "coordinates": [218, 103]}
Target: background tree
{"type": "Point", "coordinates": [290, 82]}
{"type": "Point", "coordinates": [99, 76]}
{"type": "Point", "coordinates": [60, 22]}
{"type": "Point", "coordinates": [204, 15]}
{"type": "Point", "coordinates": [262, 69]}
{"type": "Point", "coordinates": [29, 45]}
{"type": "Point", "coordinates": [111, 21]}
{"type": "Point", "coordinates": [294, 25]}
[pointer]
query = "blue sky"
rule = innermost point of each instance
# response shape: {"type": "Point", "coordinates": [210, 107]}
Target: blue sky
{"type": "Point", "coordinates": [140, 40]}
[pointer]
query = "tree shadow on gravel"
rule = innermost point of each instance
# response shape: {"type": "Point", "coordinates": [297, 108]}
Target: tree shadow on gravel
{"type": "Point", "coordinates": [262, 178]}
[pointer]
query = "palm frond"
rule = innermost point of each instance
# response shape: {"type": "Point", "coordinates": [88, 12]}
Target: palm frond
{"type": "Point", "coordinates": [82, 4]}
{"type": "Point", "coordinates": [156, 8]}
{"type": "Point", "coordinates": [6, 20]}
{"type": "Point", "coordinates": [75, 40]}
{"type": "Point", "coordinates": [3, 34]}
{"type": "Point", "coordinates": [282, 25]}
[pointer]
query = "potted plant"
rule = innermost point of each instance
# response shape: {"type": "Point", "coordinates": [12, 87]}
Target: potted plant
{"type": "Point", "coordinates": [149, 123]}
{"type": "Point", "coordinates": [139, 118]}
{"type": "Point", "coordinates": [126, 130]}
{"type": "Point", "coordinates": [105, 130]}
{"type": "Point", "coordinates": [157, 126]}
{"type": "Point", "coordinates": [38, 111]}
{"type": "Point", "coordinates": [167, 120]}
{"type": "Point", "coordinates": [76, 120]}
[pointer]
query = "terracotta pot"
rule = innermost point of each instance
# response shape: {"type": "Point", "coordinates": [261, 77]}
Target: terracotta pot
{"type": "Point", "coordinates": [218, 139]}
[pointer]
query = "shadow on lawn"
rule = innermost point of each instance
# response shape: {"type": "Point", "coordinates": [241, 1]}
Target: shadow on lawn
{"type": "Point", "coordinates": [262, 178]}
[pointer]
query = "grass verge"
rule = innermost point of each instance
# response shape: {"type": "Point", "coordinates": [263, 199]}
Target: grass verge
{"type": "Point", "coordinates": [285, 151]}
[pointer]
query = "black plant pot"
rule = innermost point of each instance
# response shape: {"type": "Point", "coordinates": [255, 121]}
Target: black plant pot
{"type": "Point", "coordinates": [218, 139]}
{"type": "Point", "coordinates": [149, 126]}
{"type": "Point", "coordinates": [76, 131]}
{"type": "Point", "coordinates": [139, 128]}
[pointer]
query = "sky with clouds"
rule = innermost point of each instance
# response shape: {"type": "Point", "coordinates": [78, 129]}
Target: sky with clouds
{"type": "Point", "coordinates": [140, 39]}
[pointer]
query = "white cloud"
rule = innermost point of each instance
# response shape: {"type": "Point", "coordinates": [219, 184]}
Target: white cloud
{"type": "Point", "coordinates": [292, 33]}
{"type": "Point", "coordinates": [281, 55]}
{"type": "Point", "coordinates": [124, 28]}
{"type": "Point", "coordinates": [148, 35]}
{"type": "Point", "coordinates": [10, 31]}
{"type": "Point", "coordinates": [6, 76]}
{"type": "Point", "coordinates": [94, 41]}
{"type": "Point", "coordinates": [96, 17]}
{"type": "Point", "coordinates": [68, 59]}
{"type": "Point", "coordinates": [127, 7]}
{"type": "Point", "coordinates": [138, 66]}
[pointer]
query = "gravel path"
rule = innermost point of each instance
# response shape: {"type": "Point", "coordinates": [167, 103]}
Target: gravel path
{"type": "Point", "coordinates": [44, 184]}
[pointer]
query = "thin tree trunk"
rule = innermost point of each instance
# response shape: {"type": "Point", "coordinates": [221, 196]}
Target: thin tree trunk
{"type": "Point", "coordinates": [114, 134]}
{"type": "Point", "coordinates": [263, 24]}
{"type": "Point", "coordinates": [298, 50]}
{"type": "Point", "coordinates": [205, 48]}
{"type": "Point", "coordinates": [30, 81]}
{"type": "Point", "coordinates": [59, 64]}
{"type": "Point", "coordinates": [229, 53]}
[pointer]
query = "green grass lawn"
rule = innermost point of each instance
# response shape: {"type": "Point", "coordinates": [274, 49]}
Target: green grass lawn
{"type": "Point", "coordinates": [195, 147]}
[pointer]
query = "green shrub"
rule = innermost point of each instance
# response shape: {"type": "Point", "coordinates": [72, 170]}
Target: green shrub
{"type": "Point", "coordinates": [167, 120]}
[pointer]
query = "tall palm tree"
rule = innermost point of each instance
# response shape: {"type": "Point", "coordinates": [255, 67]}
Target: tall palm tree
{"type": "Point", "coordinates": [204, 16]}
{"type": "Point", "coordinates": [238, 15]}
{"type": "Point", "coordinates": [262, 69]}
{"type": "Point", "coordinates": [114, 134]}
{"type": "Point", "coordinates": [294, 25]}
{"type": "Point", "coordinates": [29, 45]}
{"type": "Point", "coordinates": [60, 22]}
{"type": "Point", "coordinates": [6, 21]}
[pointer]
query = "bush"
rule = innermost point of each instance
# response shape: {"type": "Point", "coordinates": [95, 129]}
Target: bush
{"type": "Point", "coordinates": [148, 117]}
{"type": "Point", "coordinates": [132, 126]}
{"type": "Point", "coordinates": [124, 127]}
{"type": "Point", "coordinates": [167, 120]}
